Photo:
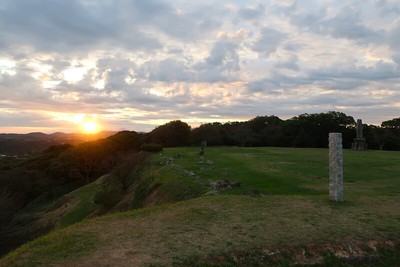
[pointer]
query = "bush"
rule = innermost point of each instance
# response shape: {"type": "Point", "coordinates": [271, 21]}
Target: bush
{"type": "Point", "coordinates": [152, 147]}
{"type": "Point", "coordinates": [124, 173]}
{"type": "Point", "coordinates": [108, 195]}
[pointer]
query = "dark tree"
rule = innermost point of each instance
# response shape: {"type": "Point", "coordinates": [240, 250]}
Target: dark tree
{"type": "Point", "coordinates": [394, 124]}
{"type": "Point", "coordinates": [210, 132]}
{"type": "Point", "coordinates": [172, 134]}
{"type": "Point", "coordinates": [311, 130]}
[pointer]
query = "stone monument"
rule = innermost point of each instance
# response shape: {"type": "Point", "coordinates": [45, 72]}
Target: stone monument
{"type": "Point", "coordinates": [359, 143]}
{"type": "Point", "coordinates": [202, 148]}
{"type": "Point", "coordinates": [335, 167]}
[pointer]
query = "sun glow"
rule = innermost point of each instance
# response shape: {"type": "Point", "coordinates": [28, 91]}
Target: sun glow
{"type": "Point", "coordinates": [87, 123]}
{"type": "Point", "coordinates": [90, 127]}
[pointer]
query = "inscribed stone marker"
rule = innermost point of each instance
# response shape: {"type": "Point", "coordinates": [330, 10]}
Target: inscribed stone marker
{"type": "Point", "coordinates": [203, 146]}
{"type": "Point", "coordinates": [335, 167]}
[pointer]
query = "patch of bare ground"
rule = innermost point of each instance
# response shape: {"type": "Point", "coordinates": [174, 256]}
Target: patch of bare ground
{"type": "Point", "coordinates": [304, 255]}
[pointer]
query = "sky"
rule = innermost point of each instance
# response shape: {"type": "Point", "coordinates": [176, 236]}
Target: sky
{"type": "Point", "coordinates": [134, 65]}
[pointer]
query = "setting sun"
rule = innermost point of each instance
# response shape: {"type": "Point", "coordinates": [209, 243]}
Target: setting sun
{"type": "Point", "coordinates": [90, 127]}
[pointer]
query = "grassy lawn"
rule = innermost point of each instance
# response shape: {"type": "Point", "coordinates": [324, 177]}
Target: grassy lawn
{"type": "Point", "coordinates": [292, 211]}
{"type": "Point", "coordinates": [293, 171]}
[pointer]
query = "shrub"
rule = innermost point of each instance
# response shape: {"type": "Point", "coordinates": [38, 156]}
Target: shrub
{"type": "Point", "coordinates": [108, 195]}
{"type": "Point", "coordinates": [124, 173]}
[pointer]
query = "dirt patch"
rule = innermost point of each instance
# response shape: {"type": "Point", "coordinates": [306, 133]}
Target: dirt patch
{"type": "Point", "coordinates": [310, 254]}
{"type": "Point", "coordinates": [63, 203]}
{"type": "Point", "coordinates": [61, 207]}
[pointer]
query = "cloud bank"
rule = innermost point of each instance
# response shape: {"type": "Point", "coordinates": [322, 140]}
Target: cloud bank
{"type": "Point", "coordinates": [137, 64]}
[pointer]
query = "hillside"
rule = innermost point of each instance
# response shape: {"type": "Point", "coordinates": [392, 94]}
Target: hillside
{"type": "Point", "coordinates": [33, 143]}
{"type": "Point", "coordinates": [279, 212]}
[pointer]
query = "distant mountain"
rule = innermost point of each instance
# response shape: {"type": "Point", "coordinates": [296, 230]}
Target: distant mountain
{"type": "Point", "coordinates": [31, 143]}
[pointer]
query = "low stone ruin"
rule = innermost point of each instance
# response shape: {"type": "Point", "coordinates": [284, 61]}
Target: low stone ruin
{"type": "Point", "coordinates": [220, 185]}
{"type": "Point", "coordinates": [170, 160]}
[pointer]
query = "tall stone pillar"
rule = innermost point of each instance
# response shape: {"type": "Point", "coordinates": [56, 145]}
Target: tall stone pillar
{"type": "Point", "coordinates": [335, 167]}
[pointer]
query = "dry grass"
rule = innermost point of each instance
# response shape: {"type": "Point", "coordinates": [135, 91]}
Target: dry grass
{"type": "Point", "coordinates": [205, 226]}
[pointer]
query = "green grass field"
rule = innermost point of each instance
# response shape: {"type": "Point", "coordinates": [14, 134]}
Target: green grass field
{"type": "Point", "coordinates": [292, 171]}
{"type": "Point", "coordinates": [289, 220]}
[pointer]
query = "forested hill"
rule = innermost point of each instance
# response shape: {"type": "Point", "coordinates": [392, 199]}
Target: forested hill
{"type": "Point", "coordinates": [32, 143]}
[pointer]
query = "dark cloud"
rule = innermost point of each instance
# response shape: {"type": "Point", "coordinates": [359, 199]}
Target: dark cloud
{"type": "Point", "coordinates": [386, 7]}
{"type": "Point", "coordinates": [252, 13]}
{"type": "Point", "coordinates": [268, 41]}
{"type": "Point", "coordinates": [81, 25]}
{"type": "Point", "coordinates": [290, 63]}
{"type": "Point", "coordinates": [394, 38]}
{"type": "Point", "coordinates": [278, 81]}
{"type": "Point", "coordinates": [167, 70]}
{"type": "Point", "coordinates": [346, 24]}
{"type": "Point", "coordinates": [396, 59]}
{"type": "Point", "coordinates": [381, 71]}
{"type": "Point", "coordinates": [55, 25]}
{"type": "Point", "coordinates": [223, 60]}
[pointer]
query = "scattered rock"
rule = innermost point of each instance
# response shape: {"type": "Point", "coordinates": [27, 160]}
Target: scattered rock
{"type": "Point", "coordinates": [223, 184]}
{"type": "Point", "coordinates": [189, 173]}
{"type": "Point", "coordinates": [253, 193]}
{"type": "Point", "coordinates": [372, 245]}
{"type": "Point", "coordinates": [211, 193]}
{"type": "Point", "coordinates": [235, 183]}
{"type": "Point", "coordinates": [167, 161]}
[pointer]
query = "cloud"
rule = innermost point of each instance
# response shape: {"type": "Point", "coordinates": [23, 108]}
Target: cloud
{"type": "Point", "coordinates": [252, 13]}
{"type": "Point", "coordinates": [394, 37]}
{"type": "Point", "coordinates": [142, 63]}
{"type": "Point", "coordinates": [345, 23]}
{"type": "Point", "coordinates": [268, 41]}
{"type": "Point", "coordinates": [86, 25]}
{"type": "Point", "coordinates": [291, 63]}
{"type": "Point", "coordinates": [167, 70]}
{"type": "Point", "coordinates": [222, 61]}
{"type": "Point", "coordinates": [380, 71]}
{"type": "Point", "coordinates": [388, 7]}
{"type": "Point", "coordinates": [48, 25]}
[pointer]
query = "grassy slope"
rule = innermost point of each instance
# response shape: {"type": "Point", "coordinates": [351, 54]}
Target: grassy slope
{"type": "Point", "coordinates": [84, 205]}
{"type": "Point", "coordinates": [293, 209]}
{"type": "Point", "coordinates": [44, 215]}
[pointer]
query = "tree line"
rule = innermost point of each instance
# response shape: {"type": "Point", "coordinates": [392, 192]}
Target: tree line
{"type": "Point", "coordinates": [305, 130]}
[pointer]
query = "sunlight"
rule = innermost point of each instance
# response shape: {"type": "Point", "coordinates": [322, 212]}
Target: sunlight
{"type": "Point", "coordinates": [7, 67]}
{"type": "Point", "coordinates": [90, 127]}
{"type": "Point", "coordinates": [87, 124]}
{"type": "Point", "coordinates": [73, 75]}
